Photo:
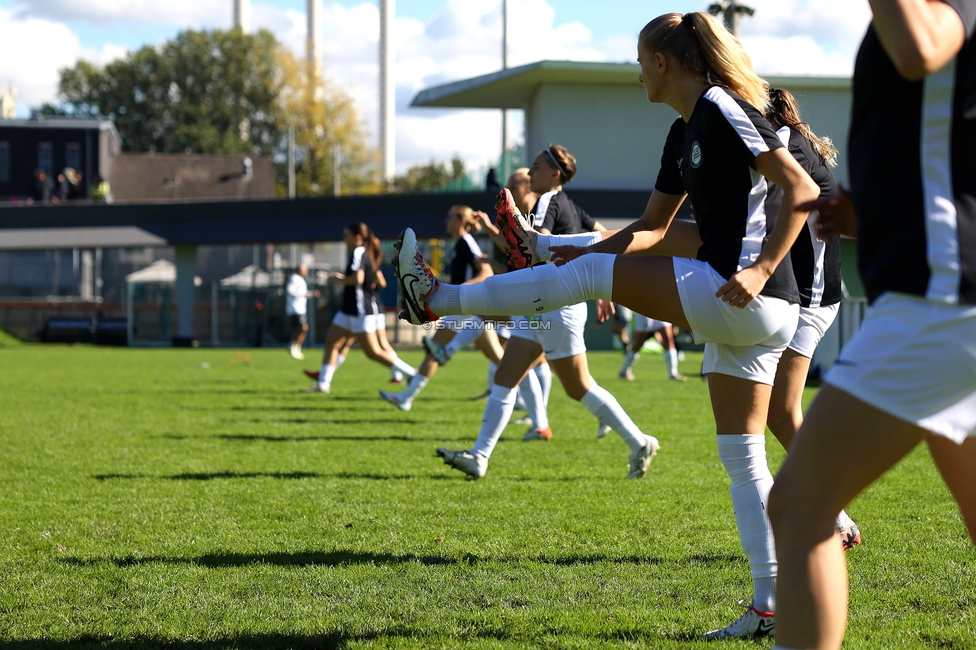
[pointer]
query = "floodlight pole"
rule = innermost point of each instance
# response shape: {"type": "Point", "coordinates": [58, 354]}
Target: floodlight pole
{"type": "Point", "coordinates": [731, 10]}
{"type": "Point", "coordinates": [503, 172]}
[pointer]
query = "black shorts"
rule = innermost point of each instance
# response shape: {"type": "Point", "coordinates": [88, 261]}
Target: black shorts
{"type": "Point", "coordinates": [297, 321]}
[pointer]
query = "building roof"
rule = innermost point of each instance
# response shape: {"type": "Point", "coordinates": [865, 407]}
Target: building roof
{"type": "Point", "coordinates": [514, 87]}
{"type": "Point", "coordinates": [74, 123]}
{"type": "Point", "coordinates": [140, 177]}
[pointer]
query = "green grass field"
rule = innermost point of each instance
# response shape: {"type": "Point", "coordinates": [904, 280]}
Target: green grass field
{"type": "Point", "coordinates": [149, 501]}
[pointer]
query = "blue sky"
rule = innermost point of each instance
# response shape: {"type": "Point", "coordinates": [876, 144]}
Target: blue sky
{"type": "Point", "coordinates": [438, 41]}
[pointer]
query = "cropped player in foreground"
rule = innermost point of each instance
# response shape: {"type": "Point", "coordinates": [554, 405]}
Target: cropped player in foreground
{"type": "Point", "coordinates": [737, 297]}
{"type": "Point", "coordinates": [909, 374]}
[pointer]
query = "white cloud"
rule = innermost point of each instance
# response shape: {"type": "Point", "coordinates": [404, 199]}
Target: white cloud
{"type": "Point", "coordinates": [34, 78]}
{"type": "Point", "coordinates": [182, 13]}
{"type": "Point", "coordinates": [462, 40]}
{"type": "Point", "coordinates": [802, 37]}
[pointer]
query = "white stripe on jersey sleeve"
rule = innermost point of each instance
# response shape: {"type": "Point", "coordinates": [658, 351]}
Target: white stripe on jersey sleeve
{"type": "Point", "coordinates": [541, 207]}
{"type": "Point", "coordinates": [738, 119]}
{"type": "Point", "coordinates": [357, 258]}
{"type": "Point", "coordinates": [784, 135]}
{"type": "Point", "coordinates": [941, 225]}
{"type": "Point", "coordinates": [472, 245]}
{"type": "Point", "coordinates": [752, 243]}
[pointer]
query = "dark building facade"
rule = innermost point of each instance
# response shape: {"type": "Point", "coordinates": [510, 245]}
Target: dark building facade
{"type": "Point", "coordinates": [52, 144]}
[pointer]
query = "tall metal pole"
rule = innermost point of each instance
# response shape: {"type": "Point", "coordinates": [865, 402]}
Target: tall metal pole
{"type": "Point", "coordinates": [504, 161]}
{"type": "Point", "coordinates": [387, 89]}
{"type": "Point", "coordinates": [291, 163]}
{"type": "Point", "coordinates": [242, 15]}
{"type": "Point", "coordinates": [336, 166]}
{"type": "Point", "coordinates": [313, 44]}
{"type": "Point", "coordinates": [731, 11]}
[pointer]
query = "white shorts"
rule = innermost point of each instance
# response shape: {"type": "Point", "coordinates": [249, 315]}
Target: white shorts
{"type": "Point", "coordinates": [645, 324]}
{"type": "Point", "coordinates": [559, 332]}
{"type": "Point", "coordinates": [811, 327]}
{"type": "Point", "coordinates": [502, 330]}
{"type": "Point", "coordinates": [914, 359]}
{"type": "Point", "coordinates": [355, 324]}
{"type": "Point", "coordinates": [740, 342]}
{"type": "Point", "coordinates": [378, 322]}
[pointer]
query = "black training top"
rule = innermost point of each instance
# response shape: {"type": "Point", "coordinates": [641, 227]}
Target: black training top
{"type": "Point", "coordinates": [913, 172]}
{"type": "Point", "coordinates": [555, 212]}
{"type": "Point", "coordinates": [816, 264]}
{"type": "Point", "coordinates": [461, 260]}
{"type": "Point", "coordinates": [712, 158]}
{"type": "Point", "coordinates": [360, 300]}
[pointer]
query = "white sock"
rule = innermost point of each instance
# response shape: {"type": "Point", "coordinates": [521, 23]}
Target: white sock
{"type": "Point", "coordinates": [465, 335]}
{"type": "Point", "coordinates": [446, 301]}
{"type": "Point", "coordinates": [340, 359]}
{"type": "Point", "coordinates": [403, 366]}
{"type": "Point", "coordinates": [671, 361]}
{"type": "Point", "coordinates": [492, 367]}
{"type": "Point", "coordinates": [744, 458]}
{"type": "Point", "coordinates": [544, 374]}
{"type": "Point", "coordinates": [519, 400]}
{"type": "Point", "coordinates": [536, 289]}
{"type": "Point", "coordinates": [498, 410]}
{"type": "Point", "coordinates": [325, 375]}
{"type": "Point", "coordinates": [843, 520]}
{"type": "Point", "coordinates": [417, 383]}
{"type": "Point", "coordinates": [630, 357]}
{"type": "Point", "coordinates": [607, 410]}
{"type": "Point", "coordinates": [544, 242]}
{"type": "Point", "coordinates": [531, 392]}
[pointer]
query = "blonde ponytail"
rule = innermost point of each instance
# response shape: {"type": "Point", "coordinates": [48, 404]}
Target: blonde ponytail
{"type": "Point", "coordinates": [702, 46]}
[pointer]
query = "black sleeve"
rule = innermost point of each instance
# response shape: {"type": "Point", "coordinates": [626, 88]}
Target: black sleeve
{"type": "Point", "coordinates": [967, 13]}
{"type": "Point", "coordinates": [669, 177]}
{"type": "Point", "coordinates": [586, 221]}
{"type": "Point", "coordinates": [812, 163]}
{"type": "Point", "coordinates": [552, 215]}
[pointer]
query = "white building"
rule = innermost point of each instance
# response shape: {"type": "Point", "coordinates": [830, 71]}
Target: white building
{"type": "Point", "coordinates": [600, 112]}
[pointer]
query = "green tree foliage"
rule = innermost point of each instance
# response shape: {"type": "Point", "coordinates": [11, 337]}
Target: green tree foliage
{"type": "Point", "coordinates": [206, 92]}
{"type": "Point", "coordinates": [226, 92]}
{"type": "Point", "coordinates": [430, 177]}
{"type": "Point", "coordinates": [323, 118]}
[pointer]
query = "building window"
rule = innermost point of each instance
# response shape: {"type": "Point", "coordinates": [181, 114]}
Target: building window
{"type": "Point", "coordinates": [4, 162]}
{"type": "Point", "coordinates": [72, 155]}
{"type": "Point", "coordinates": [45, 157]}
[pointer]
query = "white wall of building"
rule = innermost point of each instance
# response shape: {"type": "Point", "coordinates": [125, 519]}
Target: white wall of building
{"type": "Point", "coordinates": [617, 136]}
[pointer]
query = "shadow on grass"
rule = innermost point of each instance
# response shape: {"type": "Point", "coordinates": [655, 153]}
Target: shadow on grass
{"type": "Point", "coordinates": [353, 558]}
{"type": "Point", "coordinates": [211, 476]}
{"type": "Point", "coordinates": [248, 438]}
{"type": "Point", "coordinates": [329, 641]}
{"type": "Point", "coordinates": [360, 420]}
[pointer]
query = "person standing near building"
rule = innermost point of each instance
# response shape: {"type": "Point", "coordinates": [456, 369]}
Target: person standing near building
{"type": "Point", "coordinates": [296, 307]}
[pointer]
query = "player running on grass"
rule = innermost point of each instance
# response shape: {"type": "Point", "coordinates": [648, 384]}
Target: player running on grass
{"type": "Point", "coordinates": [736, 297]}
{"type": "Point", "coordinates": [358, 316]}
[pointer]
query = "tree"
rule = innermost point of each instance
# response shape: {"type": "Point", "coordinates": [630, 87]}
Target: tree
{"type": "Point", "coordinates": [323, 119]}
{"type": "Point", "coordinates": [430, 177]}
{"type": "Point", "coordinates": [206, 92]}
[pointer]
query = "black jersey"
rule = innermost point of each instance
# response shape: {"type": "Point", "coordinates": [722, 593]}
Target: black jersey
{"type": "Point", "coordinates": [712, 158]}
{"type": "Point", "coordinates": [360, 300]}
{"type": "Point", "coordinates": [913, 172]}
{"type": "Point", "coordinates": [460, 263]}
{"type": "Point", "coordinates": [555, 212]}
{"type": "Point", "coordinates": [816, 264]}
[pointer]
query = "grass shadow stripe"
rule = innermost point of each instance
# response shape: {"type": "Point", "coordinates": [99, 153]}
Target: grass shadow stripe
{"type": "Point", "coordinates": [211, 476]}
